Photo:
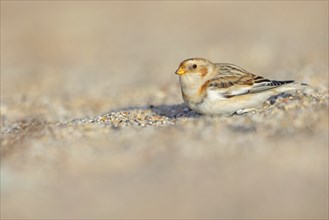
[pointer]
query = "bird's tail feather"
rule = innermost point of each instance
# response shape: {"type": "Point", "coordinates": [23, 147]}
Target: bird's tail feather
{"type": "Point", "coordinates": [291, 86]}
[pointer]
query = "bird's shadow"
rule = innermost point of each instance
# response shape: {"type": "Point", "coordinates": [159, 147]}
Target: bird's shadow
{"type": "Point", "coordinates": [179, 110]}
{"type": "Point", "coordinates": [170, 111]}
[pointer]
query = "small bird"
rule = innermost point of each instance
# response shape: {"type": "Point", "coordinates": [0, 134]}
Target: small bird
{"type": "Point", "coordinates": [225, 89]}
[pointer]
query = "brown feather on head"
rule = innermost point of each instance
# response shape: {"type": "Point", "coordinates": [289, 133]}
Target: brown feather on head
{"type": "Point", "coordinates": [194, 65]}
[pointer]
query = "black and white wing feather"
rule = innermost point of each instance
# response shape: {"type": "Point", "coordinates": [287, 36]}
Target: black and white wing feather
{"type": "Point", "coordinates": [233, 81]}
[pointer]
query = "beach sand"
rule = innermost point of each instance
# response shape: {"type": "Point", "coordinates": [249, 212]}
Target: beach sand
{"type": "Point", "coordinates": [93, 124]}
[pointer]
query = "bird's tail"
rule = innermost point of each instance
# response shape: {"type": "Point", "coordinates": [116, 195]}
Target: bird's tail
{"type": "Point", "coordinates": [279, 83]}
{"type": "Point", "coordinates": [291, 86]}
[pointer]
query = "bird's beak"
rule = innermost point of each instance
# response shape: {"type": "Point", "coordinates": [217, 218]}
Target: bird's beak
{"type": "Point", "coordinates": [180, 71]}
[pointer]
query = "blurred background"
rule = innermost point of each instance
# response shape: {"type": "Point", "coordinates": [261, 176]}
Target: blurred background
{"type": "Point", "coordinates": [99, 49]}
{"type": "Point", "coordinates": [65, 60]}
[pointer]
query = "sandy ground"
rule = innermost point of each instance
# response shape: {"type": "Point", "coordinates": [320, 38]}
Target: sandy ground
{"type": "Point", "coordinates": [93, 124]}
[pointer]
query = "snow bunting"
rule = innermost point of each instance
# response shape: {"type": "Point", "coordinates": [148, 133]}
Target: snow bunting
{"type": "Point", "coordinates": [224, 89]}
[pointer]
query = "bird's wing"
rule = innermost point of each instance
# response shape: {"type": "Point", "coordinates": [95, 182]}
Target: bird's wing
{"type": "Point", "coordinates": [227, 69]}
{"type": "Point", "coordinates": [261, 84]}
{"type": "Point", "coordinates": [236, 81]}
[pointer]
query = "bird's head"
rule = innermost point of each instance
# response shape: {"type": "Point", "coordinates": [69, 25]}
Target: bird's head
{"type": "Point", "coordinates": [195, 66]}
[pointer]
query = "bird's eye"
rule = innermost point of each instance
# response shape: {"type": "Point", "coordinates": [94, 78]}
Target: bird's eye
{"type": "Point", "coordinates": [194, 66]}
